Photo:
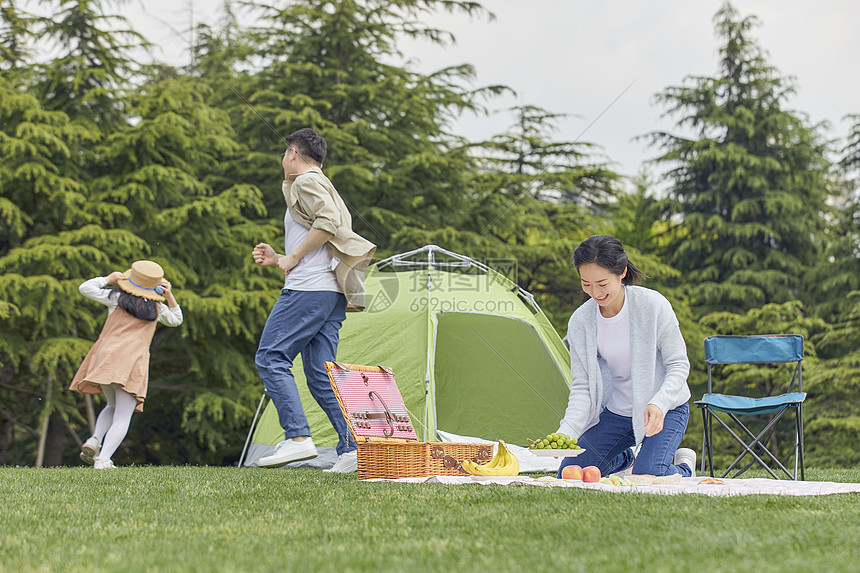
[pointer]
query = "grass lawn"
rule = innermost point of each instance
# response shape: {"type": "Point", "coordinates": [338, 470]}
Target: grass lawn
{"type": "Point", "coordinates": [228, 519]}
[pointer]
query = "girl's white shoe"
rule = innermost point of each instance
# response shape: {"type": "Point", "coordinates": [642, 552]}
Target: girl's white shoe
{"type": "Point", "coordinates": [101, 464]}
{"type": "Point", "coordinates": [90, 450]}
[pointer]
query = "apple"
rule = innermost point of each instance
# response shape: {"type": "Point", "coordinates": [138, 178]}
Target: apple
{"type": "Point", "coordinates": [571, 472]}
{"type": "Point", "coordinates": [590, 474]}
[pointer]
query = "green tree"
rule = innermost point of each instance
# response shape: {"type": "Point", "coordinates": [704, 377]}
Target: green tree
{"type": "Point", "coordinates": [47, 237]}
{"type": "Point", "coordinates": [564, 171]}
{"type": "Point", "coordinates": [94, 62]}
{"type": "Point", "coordinates": [834, 432]}
{"type": "Point", "coordinates": [851, 158]}
{"type": "Point", "coordinates": [15, 35]}
{"type": "Point", "coordinates": [531, 200]}
{"type": "Point", "coordinates": [751, 183]}
{"type": "Point", "coordinates": [81, 196]}
{"type": "Point", "coordinates": [334, 67]}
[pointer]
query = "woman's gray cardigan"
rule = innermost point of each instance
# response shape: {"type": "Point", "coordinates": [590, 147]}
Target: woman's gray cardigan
{"type": "Point", "coordinates": [657, 352]}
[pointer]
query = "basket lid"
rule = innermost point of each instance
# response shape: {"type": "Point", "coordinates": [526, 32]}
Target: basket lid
{"type": "Point", "coordinates": [371, 402]}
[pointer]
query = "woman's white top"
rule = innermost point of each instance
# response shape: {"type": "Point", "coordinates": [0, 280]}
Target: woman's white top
{"type": "Point", "coordinates": [613, 345]}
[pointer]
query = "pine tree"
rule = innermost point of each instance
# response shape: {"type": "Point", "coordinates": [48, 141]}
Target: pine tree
{"type": "Point", "coordinates": [751, 184]}
{"type": "Point", "coordinates": [15, 35]}
{"type": "Point", "coordinates": [836, 285]}
{"type": "Point", "coordinates": [144, 176]}
{"type": "Point", "coordinates": [851, 159]}
{"type": "Point", "coordinates": [95, 61]}
{"type": "Point", "coordinates": [532, 200]}
{"type": "Point", "coordinates": [327, 67]}
{"type": "Point", "coordinates": [47, 238]}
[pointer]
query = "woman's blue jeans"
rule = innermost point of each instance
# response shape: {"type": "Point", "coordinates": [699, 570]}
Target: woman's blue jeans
{"type": "Point", "coordinates": [306, 323]}
{"type": "Point", "coordinates": [607, 445]}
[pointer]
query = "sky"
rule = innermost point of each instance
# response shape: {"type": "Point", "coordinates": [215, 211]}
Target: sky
{"type": "Point", "coordinates": [601, 63]}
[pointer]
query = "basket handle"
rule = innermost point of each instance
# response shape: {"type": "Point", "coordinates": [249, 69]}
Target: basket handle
{"type": "Point", "coordinates": [387, 415]}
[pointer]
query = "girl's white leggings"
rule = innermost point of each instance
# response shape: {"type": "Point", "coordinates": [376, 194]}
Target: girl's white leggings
{"type": "Point", "coordinates": [112, 423]}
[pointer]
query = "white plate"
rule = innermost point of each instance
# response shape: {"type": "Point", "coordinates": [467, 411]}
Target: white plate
{"type": "Point", "coordinates": [550, 453]}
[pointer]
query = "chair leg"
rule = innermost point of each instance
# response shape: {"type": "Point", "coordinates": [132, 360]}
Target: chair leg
{"type": "Point", "coordinates": [707, 443]}
{"type": "Point", "coordinates": [799, 457]}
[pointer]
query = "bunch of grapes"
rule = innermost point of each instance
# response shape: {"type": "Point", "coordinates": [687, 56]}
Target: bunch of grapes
{"type": "Point", "coordinates": [554, 442]}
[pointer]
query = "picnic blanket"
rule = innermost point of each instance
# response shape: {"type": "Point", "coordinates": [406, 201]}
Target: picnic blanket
{"type": "Point", "coordinates": [731, 487]}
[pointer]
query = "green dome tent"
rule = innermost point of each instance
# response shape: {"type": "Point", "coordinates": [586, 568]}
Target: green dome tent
{"type": "Point", "coordinates": [472, 353]}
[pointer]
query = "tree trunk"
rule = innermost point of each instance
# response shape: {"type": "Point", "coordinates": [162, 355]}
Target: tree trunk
{"type": "Point", "coordinates": [54, 443]}
{"type": "Point", "coordinates": [43, 435]}
{"type": "Point", "coordinates": [5, 440]}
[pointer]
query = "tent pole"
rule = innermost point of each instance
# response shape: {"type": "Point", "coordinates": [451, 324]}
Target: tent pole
{"type": "Point", "coordinates": [251, 430]}
{"type": "Point", "coordinates": [429, 365]}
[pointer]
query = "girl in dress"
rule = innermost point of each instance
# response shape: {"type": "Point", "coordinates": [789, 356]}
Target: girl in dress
{"type": "Point", "coordinates": [118, 362]}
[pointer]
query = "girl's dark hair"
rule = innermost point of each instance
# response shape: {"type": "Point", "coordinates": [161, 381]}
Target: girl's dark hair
{"type": "Point", "coordinates": [137, 306]}
{"type": "Point", "coordinates": [607, 251]}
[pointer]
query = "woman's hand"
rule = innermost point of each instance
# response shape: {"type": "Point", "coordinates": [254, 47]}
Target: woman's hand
{"type": "Point", "coordinates": [653, 420]}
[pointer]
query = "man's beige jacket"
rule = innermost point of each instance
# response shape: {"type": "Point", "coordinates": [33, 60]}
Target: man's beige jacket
{"type": "Point", "coordinates": [314, 203]}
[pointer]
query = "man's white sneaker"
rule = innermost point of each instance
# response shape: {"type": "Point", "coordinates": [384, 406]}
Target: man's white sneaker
{"type": "Point", "coordinates": [686, 456]}
{"type": "Point", "coordinates": [90, 450]}
{"type": "Point", "coordinates": [346, 463]}
{"type": "Point", "coordinates": [101, 464]}
{"type": "Point", "coordinates": [289, 451]}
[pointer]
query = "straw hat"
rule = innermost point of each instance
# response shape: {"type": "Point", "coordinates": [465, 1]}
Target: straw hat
{"type": "Point", "coordinates": [143, 278]}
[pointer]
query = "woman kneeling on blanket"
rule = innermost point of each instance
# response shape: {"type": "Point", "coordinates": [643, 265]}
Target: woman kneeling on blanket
{"type": "Point", "coordinates": [629, 366]}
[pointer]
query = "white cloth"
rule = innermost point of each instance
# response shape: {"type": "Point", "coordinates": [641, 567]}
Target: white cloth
{"type": "Point", "coordinates": [96, 289]}
{"type": "Point", "coordinates": [315, 271]}
{"type": "Point", "coordinates": [732, 487]}
{"type": "Point", "coordinates": [658, 358]}
{"type": "Point", "coordinates": [613, 345]}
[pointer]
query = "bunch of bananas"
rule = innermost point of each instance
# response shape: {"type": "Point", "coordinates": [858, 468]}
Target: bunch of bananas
{"type": "Point", "coordinates": [504, 463]}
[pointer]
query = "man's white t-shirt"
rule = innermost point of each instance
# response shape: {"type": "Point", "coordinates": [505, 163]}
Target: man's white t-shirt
{"type": "Point", "coordinates": [613, 345]}
{"type": "Point", "coordinates": [315, 271]}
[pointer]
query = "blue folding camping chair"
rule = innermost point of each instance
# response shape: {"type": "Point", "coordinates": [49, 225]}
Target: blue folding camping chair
{"type": "Point", "coordinates": [753, 351]}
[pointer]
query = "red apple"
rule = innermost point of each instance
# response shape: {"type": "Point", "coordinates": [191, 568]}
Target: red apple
{"type": "Point", "coordinates": [571, 472]}
{"type": "Point", "coordinates": [590, 474]}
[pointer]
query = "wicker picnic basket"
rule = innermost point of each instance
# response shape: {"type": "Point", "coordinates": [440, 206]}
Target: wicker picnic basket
{"type": "Point", "coordinates": [387, 444]}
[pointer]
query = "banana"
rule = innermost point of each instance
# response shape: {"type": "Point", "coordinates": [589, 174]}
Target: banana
{"type": "Point", "coordinates": [512, 462]}
{"type": "Point", "coordinates": [504, 463]}
{"type": "Point", "coordinates": [498, 460]}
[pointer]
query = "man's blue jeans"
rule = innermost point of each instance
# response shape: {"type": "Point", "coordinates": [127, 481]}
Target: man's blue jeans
{"type": "Point", "coordinates": [608, 444]}
{"type": "Point", "coordinates": [306, 323]}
